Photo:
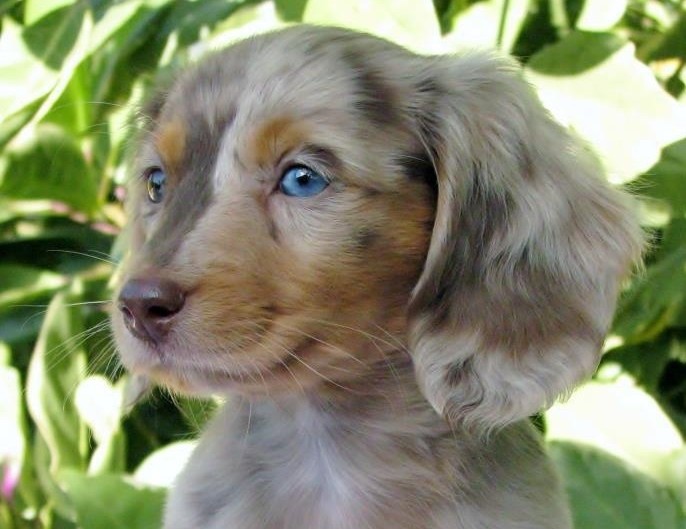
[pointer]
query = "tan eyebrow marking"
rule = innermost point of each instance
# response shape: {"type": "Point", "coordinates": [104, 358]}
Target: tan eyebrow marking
{"type": "Point", "coordinates": [274, 138]}
{"type": "Point", "coordinates": [170, 142]}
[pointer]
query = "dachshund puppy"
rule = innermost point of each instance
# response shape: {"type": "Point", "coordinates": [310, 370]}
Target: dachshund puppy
{"type": "Point", "coordinates": [388, 261]}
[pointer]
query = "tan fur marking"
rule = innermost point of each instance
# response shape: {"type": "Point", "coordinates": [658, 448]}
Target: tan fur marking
{"type": "Point", "coordinates": [274, 138]}
{"type": "Point", "coordinates": [170, 142]}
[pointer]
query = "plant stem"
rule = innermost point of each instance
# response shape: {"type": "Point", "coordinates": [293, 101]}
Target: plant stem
{"type": "Point", "coordinates": [501, 24]}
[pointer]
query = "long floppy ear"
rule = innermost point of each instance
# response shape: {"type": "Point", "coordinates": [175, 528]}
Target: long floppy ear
{"type": "Point", "coordinates": [528, 248]}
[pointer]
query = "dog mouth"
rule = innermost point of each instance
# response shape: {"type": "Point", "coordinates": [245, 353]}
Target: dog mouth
{"type": "Point", "coordinates": [240, 377]}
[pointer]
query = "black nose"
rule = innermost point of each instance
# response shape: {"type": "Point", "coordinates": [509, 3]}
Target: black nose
{"type": "Point", "coordinates": [149, 306]}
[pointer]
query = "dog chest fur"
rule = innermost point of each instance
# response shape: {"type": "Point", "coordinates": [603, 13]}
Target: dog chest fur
{"type": "Point", "coordinates": [302, 463]}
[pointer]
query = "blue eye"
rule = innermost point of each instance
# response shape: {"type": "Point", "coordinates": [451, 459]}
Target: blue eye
{"type": "Point", "coordinates": [156, 179]}
{"type": "Point", "coordinates": [301, 181]}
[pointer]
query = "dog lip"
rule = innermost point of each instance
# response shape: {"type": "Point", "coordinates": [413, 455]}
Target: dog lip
{"type": "Point", "coordinates": [246, 375]}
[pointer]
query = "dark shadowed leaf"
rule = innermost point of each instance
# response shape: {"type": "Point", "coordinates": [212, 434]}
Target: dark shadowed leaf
{"type": "Point", "coordinates": [656, 300]}
{"type": "Point", "coordinates": [666, 180]}
{"type": "Point", "coordinates": [21, 284]}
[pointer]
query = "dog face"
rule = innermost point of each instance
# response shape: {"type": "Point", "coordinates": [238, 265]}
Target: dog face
{"type": "Point", "coordinates": [305, 202]}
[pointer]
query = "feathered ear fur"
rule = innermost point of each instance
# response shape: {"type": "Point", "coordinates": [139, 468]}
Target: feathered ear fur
{"type": "Point", "coordinates": [528, 248]}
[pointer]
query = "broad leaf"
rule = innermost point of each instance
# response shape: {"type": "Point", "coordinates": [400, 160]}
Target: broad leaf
{"type": "Point", "coordinates": [411, 23]}
{"type": "Point", "coordinates": [34, 10]}
{"type": "Point", "coordinates": [113, 502]}
{"type": "Point", "coordinates": [490, 24]}
{"type": "Point", "coordinates": [658, 298]}
{"type": "Point", "coordinates": [57, 366]}
{"type": "Point", "coordinates": [47, 163]}
{"type": "Point", "coordinates": [99, 404]}
{"type": "Point", "coordinates": [12, 441]}
{"type": "Point", "coordinates": [21, 284]}
{"type": "Point", "coordinates": [37, 61]}
{"type": "Point", "coordinates": [601, 15]}
{"type": "Point", "coordinates": [621, 419]}
{"type": "Point", "coordinates": [606, 494]}
{"type": "Point", "coordinates": [613, 103]}
{"type": "Point", "coordinates": [162, 467]}
{"type": "Point", "coordinates": [666, 180]}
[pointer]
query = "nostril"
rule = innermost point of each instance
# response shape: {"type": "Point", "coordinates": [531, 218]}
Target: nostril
{"type": "Point", "coordinates": [158, 311]}
{"type": "Point", "coordinates": [128, 315]}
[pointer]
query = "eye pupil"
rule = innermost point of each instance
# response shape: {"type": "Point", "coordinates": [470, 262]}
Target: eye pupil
{"type": "Point", "coordinates": [156, 180]}
{"type": "Point", "coordinates": [303, 179]}
{"type": "Point", "coordinates": [302, 182]}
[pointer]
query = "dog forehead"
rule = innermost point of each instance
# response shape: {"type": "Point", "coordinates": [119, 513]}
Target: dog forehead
{"type": "Point", "coordinates": [303, 69]}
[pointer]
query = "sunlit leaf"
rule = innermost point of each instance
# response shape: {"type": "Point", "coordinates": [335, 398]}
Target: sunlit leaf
{"type": "Point", "coordinates": [161, 468]}
{"type": "Point", "coordinates": [24, 79]}
{"type": "Point", "coordinates": [601, 15]}
{"type": "Point", "coordinates": [621, 419]}
{"type": "Point", "coordinates": [614, 104]}
{"type": "Point", "coordinates": [411, 23]}
{"type": "Point", "coordinates": [12, 442]}
{"type": "Point", "coordinates": [36, 62]}
{"type": "Point", "coordinates": [57, 366]}
{"type": "Point", "coordinates": [490, 24]}
{"type": "Point", "coordinates": [99, 404]}
{"type": "Point", "coordinates": [36, 9]}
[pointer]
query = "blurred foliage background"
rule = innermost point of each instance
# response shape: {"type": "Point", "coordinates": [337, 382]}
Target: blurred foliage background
{"type": "Point", "coordinates": [71, 74]}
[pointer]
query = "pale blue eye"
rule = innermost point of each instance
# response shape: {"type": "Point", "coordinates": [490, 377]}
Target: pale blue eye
{"type": "Point", "coordinates": [301, 181]}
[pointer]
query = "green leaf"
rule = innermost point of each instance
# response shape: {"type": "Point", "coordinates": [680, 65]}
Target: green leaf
{"type": "Point", "coordinates": [490, 24]}
{"type": "Point", "coordinates": [657, 299]}
{"type": "Point", "coordinates": [620, 419]}
{"type": "Point", "coordinates": [606, 494]}
{"type": "Point", "coordinates": [614, 103]}
{"type": "Point", "coordinates": [58, 365]}
{"type": "Point", "coordinates": [577, 53]}
{"type": "Point", "coordinates": [23, 78]}
{"type": "Point", "coordinates": [410, 23]}
{"type": "Point", "coordinates": [291, 10]}
{"type": "Point", "coordinates": [21, 284]}
{"type": "Point", "coordinates": [666, 180]}
{"type": "Point", "coordinates": [601, 15]}
{"type": "Point", "coordinates": [36, 9]}
{"type": "Point", "coordinates": [673, 43]}
{"type": "Point", "coordinates": [113, 502]}
{"type": "Point", "coordinates": [12, 440]}
{"type": "Point", "coordinates": [45, 162]}
{"type": "Point", "coordinates": [38, 61]}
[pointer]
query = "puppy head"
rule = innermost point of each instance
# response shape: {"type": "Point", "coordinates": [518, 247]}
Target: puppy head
{"type": "Point", "coordinates": [278, 216]}
{"type": "Point", "coordinates": [303, 198]}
